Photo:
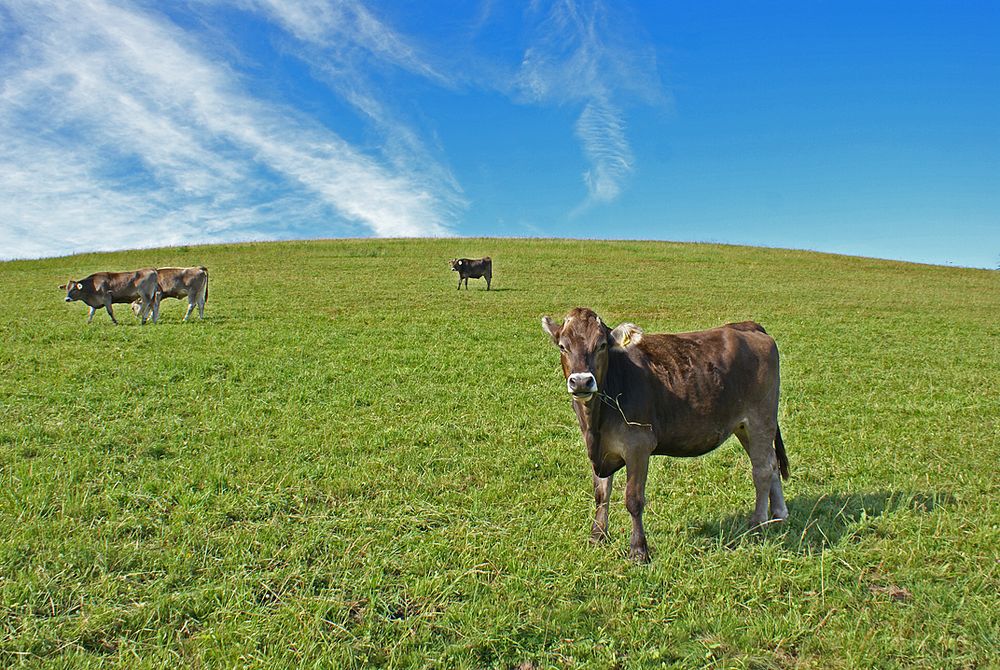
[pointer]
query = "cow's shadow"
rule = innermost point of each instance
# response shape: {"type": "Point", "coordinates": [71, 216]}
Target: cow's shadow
{"type": "Point", "coordinates": [815, 522]}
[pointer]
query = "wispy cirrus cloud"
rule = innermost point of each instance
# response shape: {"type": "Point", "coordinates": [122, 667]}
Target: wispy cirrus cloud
{"type": "Point", "coordinates": [346, 28]}
{"type": "Point", "coordinates": [121, 130]}
{"type": "Point", "coordinates": [352, 51]}
{"type": "Point", "coordinates": [125, 123]}
{"type": "Point", "coordinates": [583, 52]}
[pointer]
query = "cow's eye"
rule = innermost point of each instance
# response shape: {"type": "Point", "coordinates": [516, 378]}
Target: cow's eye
{"type": "Point", "coordinates": [562, 348]}
{"type": "Point", "coordinates": [602, 346]}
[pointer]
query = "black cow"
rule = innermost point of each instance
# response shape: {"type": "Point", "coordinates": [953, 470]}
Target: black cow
{"type": "Point", "coordinates": [474, 268]}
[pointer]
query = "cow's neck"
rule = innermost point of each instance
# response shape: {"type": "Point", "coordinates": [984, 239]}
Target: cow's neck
{"type": "Point", "coordinates": [589, 416]}
{"type": "Point", "coordinates": [604, 409]}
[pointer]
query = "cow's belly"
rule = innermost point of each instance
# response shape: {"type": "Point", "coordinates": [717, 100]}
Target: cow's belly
{"type": "Point", "coordinates": [690, 448]}
{"type": "Point", "coordinates": [695, 441]}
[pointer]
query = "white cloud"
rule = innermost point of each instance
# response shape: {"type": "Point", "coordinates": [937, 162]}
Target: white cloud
{"type": "Point", "coordinates": [119, 128]}
{"type": "Point", "coordinates": [344, 26]}
{"type": "Point", "coordinates": [601, 128]}
{"type": "Point", "coordinates": [89, 87]}
{"type": "Point", "coordinates": [583, 53]}
{"type": "Point", "coordinates": [347, 47]}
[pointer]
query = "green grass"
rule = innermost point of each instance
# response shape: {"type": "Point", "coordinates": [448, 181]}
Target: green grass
{"type": "Point", "coordinates": [351, 464]}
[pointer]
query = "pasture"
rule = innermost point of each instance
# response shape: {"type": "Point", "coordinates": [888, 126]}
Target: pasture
{"type": "Point", "coordinates": [351, 464]}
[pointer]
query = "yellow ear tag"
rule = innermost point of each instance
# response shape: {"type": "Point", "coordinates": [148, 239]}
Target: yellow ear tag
{"type": "Point", "coordinates": [626, 338]}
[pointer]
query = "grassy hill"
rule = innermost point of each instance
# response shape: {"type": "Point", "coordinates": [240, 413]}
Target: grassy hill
{"type": "Point", "coordinates": [351, 464]}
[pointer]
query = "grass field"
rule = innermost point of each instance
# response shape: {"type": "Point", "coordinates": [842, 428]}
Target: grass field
{"type": "Point", "coordinates": [349, 463]}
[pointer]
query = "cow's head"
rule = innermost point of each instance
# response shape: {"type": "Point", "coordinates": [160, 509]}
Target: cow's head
{"type": "Point", "coordinates": [136, 307]}
{"type": "Point", "coordinates": [456, 264]}
{"type": "Point", "coordinates": [583, 340]}
{"type": "Point", "coordinates": [72, 289]}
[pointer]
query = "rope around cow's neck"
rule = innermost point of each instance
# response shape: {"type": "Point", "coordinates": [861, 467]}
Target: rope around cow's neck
{"type": "Point", "coordinates": [607, 400]}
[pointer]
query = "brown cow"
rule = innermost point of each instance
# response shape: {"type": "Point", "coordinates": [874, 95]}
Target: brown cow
{"type": "Point", "coordinates": [103, 289]}
{"type": "Point", "coordinates": [638, 395]}
{"type": "Point", "coordinates": [191, 283]}
{"type": "Point", "coordinates": [474, 268]}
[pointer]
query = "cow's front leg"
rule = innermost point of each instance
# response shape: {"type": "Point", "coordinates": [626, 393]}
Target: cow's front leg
{"type": "Point", "coordinates": [90, 317]}
{"type": "Point", "coordinates": [602, 500]}
{"type": "Point", "coordinates": [459, 282]}
{"type": "Point", "coordinates": [635, 499]}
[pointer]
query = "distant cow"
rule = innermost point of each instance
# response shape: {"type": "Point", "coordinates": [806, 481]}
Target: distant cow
{"type": "Point", "coordinates": [474, 268]}
{"type": "Point", "coordinates": [191, 283]}
{"type": "Point", "coordinates": [638, 395]}
{"type": "Point", "coordinates": [103, 289]}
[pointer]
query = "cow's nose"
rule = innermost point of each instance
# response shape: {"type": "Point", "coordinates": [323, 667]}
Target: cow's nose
{"type": "Point", "coordinates": [68, 299]}
{"type": "Point", "coordinates": [581, 382]}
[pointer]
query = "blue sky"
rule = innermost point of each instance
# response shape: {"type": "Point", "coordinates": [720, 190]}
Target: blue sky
{"type": "Point", "coordinates": [868, 128]}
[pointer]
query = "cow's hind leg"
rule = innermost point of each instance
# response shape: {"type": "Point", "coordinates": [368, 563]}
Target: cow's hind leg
{"type": "Point", "coordinates": [111, 313]}
{"type": "Point", "coordinates": [602, 501]}
{"type": "Point", "coordinates": [779, 510]}
{"type": "Point", "coordinates": [758, 441]}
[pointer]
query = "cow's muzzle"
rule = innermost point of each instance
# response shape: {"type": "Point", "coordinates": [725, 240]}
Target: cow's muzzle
{"type": "Point", "coordinates": [581, 385]}
{"type": "Point", "coordinates": [69, 299]}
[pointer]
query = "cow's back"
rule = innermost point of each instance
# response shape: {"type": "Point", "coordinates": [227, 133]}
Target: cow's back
{"type": "Point", "coordinates": [179, 282]}
{"type": "Point", "coordinates": [123, 286]}
{"type": "Point", "coordinates": [476, 268]}
{"type": "Point", "coordinates": [697, 386]}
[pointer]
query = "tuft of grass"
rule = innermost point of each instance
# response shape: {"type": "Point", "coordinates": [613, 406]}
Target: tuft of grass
{"type": "Point", "coordinates": [351, 464]}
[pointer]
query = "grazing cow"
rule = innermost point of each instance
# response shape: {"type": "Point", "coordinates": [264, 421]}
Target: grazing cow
{"type": "Point", "coordinates": [638, 395]}
{"type": "Point", "coordinates": [474, 268]}
{"type": "Point", "coordinates": [103, 289]}
{"type": "Point", "coordinates": [191, 283]}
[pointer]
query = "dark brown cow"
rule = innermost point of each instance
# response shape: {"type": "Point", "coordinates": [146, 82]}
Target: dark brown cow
{"type": "Point", "coordinates": [474, 268]}
{"type": "Point", "coordinates": [190, 283]}
{"type": "Point", "coordinates": [103, 289]}
{"type": "Point", "coordinates": [638, 395]}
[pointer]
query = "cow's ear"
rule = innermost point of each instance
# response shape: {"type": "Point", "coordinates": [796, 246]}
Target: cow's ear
{"type": "Point", "coordinates": [626, 335]}
{"type": "Point", "coordinates": [62, 287]}
{"type": "Point", "coordinates": [549, 326]}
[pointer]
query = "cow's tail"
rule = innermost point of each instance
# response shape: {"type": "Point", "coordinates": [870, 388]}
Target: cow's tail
{"type": "Point", "coordinates": [205, 270]}
{"type": "Point", "coordinates": [779, 450]}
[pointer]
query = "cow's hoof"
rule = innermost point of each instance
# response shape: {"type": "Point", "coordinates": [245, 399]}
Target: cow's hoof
{"type": "Point", "coordinates": [638, 555]}
{"type": "Point", "coordinates": [598, 535]}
